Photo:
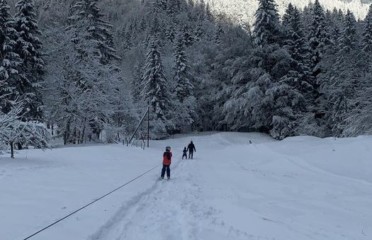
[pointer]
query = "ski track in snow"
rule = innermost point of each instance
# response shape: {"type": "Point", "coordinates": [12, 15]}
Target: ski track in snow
{"type": "Point", "coordinates": [177, 209]}
{"type": "Point", "coordinates": [174, 209]}
{"type": "Point", "coordinates": [168, 210]}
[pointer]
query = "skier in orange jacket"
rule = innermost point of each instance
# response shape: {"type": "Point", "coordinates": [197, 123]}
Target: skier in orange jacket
{"type": "Point", "coordinates": [167, 160]}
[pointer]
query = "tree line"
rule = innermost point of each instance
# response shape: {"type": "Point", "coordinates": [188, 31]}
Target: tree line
{"type": "Point", "coordinates": [85, 67]}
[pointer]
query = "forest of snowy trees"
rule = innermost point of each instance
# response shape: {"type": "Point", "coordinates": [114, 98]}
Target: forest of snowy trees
{"type": "Point", "coordinates": [83, 67]}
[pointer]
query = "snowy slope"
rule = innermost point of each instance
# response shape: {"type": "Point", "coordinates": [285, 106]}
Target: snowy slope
{"type": "Point", "coordinates": [242, 11]}
{"type": "Point", "coordinates": [300, 188]}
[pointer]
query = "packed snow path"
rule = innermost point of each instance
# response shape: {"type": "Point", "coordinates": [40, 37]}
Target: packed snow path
{"type": "Point", "coordinates": [246, 193]}
{"type": "Point", "coordinates": [238, 186]}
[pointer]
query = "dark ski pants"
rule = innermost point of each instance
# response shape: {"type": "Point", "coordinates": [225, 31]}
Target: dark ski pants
{"type": "Point", "coordinates": [165, 168]}
{"type": "Point", "coordinates": [191, 154]}
{"type": "Point", "coordinates": [184, 156]}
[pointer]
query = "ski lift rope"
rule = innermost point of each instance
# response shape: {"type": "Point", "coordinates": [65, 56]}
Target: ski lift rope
{"type": "Point", "coordinates": [92, 202]}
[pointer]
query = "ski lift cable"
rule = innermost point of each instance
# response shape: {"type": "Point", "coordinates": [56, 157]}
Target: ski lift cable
{"type": "Point", "coordinates": [92, 202]}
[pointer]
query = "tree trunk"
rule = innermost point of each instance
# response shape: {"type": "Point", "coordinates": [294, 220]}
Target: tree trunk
{"type": "Point", "coordinates": [11, 149]}
{"type": "Point", "coordinates": [66, 135]}
{"type": "Point", "coordinates": [83, 132]}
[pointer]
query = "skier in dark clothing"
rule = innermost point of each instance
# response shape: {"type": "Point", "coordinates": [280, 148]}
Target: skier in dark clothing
{"type": "Point", "coordinates": [184, 155]}
{"type": "Point", "coordinates": [192, 149]}
{"type": "Point", "coordinates": [167, 160]}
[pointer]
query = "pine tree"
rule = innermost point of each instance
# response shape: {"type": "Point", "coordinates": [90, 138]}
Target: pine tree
{"type": "Point", "coordinates": [89, 16]}
{"type": "Point", "coordinates": [298, 48]}
{"type": "Point", "coordinates": [359, 120]}
{"type": "Point", "coordinates": [295, 86]}
{"type": "Point", "coordinates": [156, 92]}
{"type": "Point", "coordinates": [29, 49]}
{"type": "Point", "coordinates": [160, 5]}
{"type": "Point", "coordinates": [275, 63]}
{"type": "Point", "coordinates": [348, 39]}
{"type": "Point", "coordinates": [187, 36]}
{"type": "Point", "coordinates": [174, 6]}
{"type": "Point", "coordinates": [10, 60]}
{"type": "Point", "coordinates": [335, 22]}
{"type": "Point", "coordinates": [266, 25]}
{"type": "Point", "coordinates": [320, 44]}
{"type": "Point", "coordinates": [90, 76]}
{"type": "Point", "coordinates": [318, 38]}
{"type": "Point", "coordinates": [367, 33]}
{"type": "Point", "coordinates": [345, 80]}
{"type": "Point", "coordinates": [182, 76]}
{"type": "Point", "coordinates": [184, 88]}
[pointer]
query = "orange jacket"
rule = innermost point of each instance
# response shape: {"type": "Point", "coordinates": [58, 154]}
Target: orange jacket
{"type": "Point", "coordinates": [167, 158]}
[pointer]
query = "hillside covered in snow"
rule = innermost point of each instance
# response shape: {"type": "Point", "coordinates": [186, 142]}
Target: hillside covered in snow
{"type": "Point", "coordinates": [242, 11]}
{"type": "Point", "coordinates": [238, 186]}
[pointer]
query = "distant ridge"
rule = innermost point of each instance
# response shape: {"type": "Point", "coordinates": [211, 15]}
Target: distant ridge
{"type": "Point", "coordinates": [242, 11]}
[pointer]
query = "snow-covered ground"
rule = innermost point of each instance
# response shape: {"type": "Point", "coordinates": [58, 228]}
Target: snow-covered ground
{"type": "Point", "coordinates": [301, 188]}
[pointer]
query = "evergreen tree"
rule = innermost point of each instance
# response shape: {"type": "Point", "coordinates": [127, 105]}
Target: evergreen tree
{"type": "Point", "coordinates": [367, 33]}
{"type": "Point", "coordinates": [170, 32]}
{"type": "Point", "coordinates": [348, 40]}
{"type": "Point", "coordinates": [319, 39]}
{"type": "Point", "coordinates": [297, 46]}
{"type": "Point", "coordinates": [266, 25]}
{"type": "Point", "coordinates": [359, 119]}
{"type": "Point", "coordinates": [335, 22]}
{"type": "Point", "coordinates": [156, 91]}
{"type": "Point", "coordinates": [295, 86]}
{"type": "Point", "coordinates": [184, 87]}
{"type": "Point", "coordinates": [182, 76]}
{"type": "Point", "coordinates": [267, 93]}
{"type": "Point", "coordinates": [89, 16]}
{"type": "Point", "coordinates": [235, 74]}
{"type": "Point", "coordinates": [187, 36]}
{"type": "Point", "coordinates": [90, 81]}
{"type": "Point", "coordinates": [320, 44]}
{"type": "Point", "coordinates": [160, 5]}
{"type": "Point", "coordinates": [174, 6]}
{"type": "Point", "coordinates": [345, 80]}
{"type": "Point", "coordinates": [29, 49]}
{"type": "Point", "coordinates": [10, 60]}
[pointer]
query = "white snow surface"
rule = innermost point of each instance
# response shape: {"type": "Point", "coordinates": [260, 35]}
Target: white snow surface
{"type": "Point", "coordinates": [238, 186]}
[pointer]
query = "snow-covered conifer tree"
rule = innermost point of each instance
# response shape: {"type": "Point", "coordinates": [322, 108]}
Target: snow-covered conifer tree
{"type": "Point", "coordinates": [345, 79]}
{"type": "Point", "coordinates": [319, 38]}
{"type": "Point", "coordinates": [294, 87]}
{"type": "Point", "coordinates": [10, 60]}
{"type": "Point", "coordinates": [89, 81]}
{"type": "Point", "coordinates": [360, 118]}
{"type": "Point", "coordinates": [156, 91]}
{"type": "Point", "coordinates": [99, 31]}
{"type": "Point", "coordinates": [184, 87]}
{"type": "Point", "coordinates": [266, 25]}
{"type": "Point", "coordinates": [273, 111]}
{"type": "Point", "coordinates": [348, 40]}
{"type": "Point", "coordinates": [320, 43]}
{"type": "Point", "coordinates": [367, 33]}
{"type": "Point", "coordinates": [174, 6]}
{"type": "Point", "coordinates": [182, 76]}
{"type": "Point", "coordinates": [187, 36]}
{"type": "Point", "coordinates": [297, 46]}
{"type": "Point", "coordinates": [28, 48]}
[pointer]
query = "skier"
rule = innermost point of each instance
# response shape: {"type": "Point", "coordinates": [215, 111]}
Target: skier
{"type": "Point", "coordinates": [184, 153]}
{"type": "Point", "coordinates": [167, 160]}
{"type": "Point", "coordinates": [191, 148]}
